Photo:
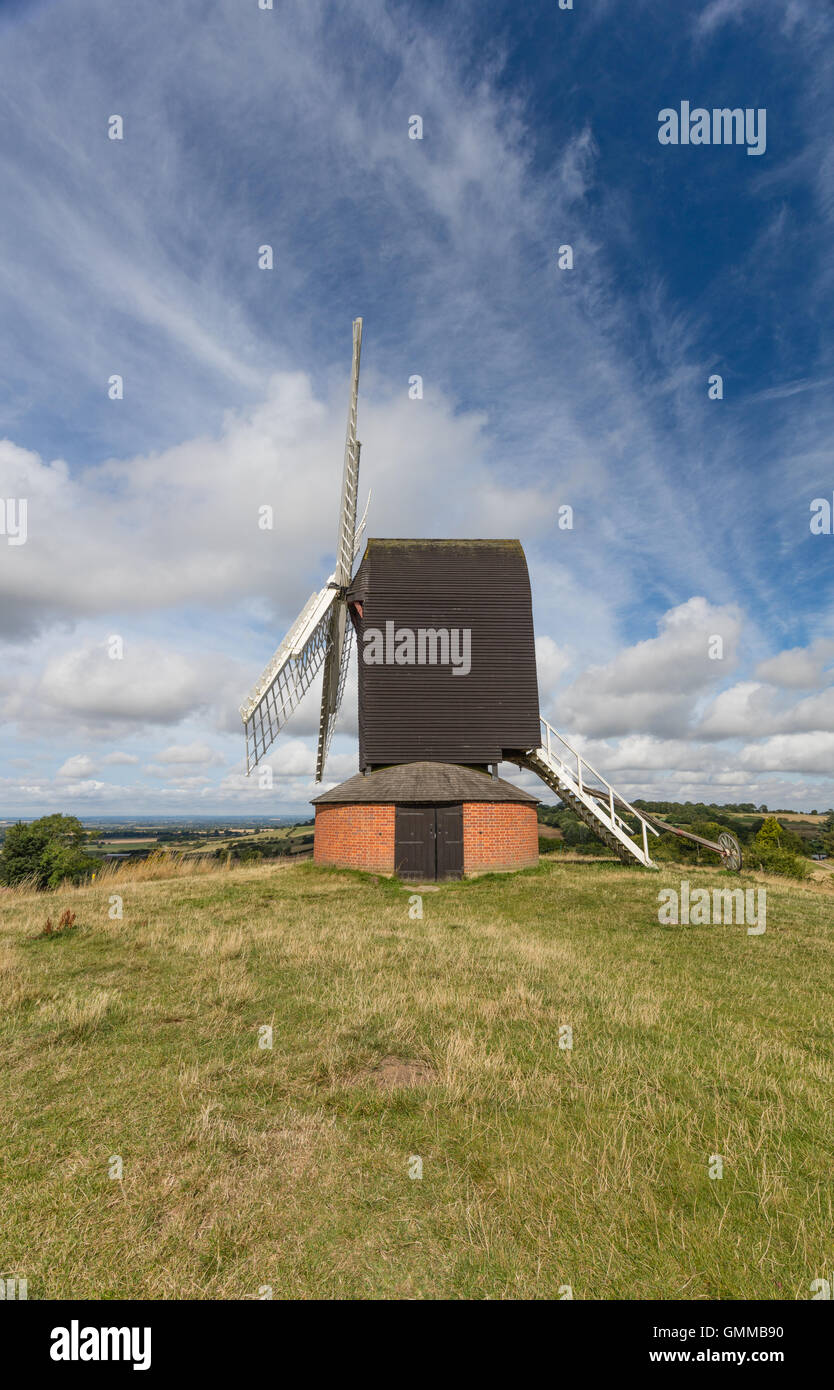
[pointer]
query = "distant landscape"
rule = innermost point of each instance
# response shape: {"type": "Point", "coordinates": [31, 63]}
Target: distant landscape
{"type": "Point", "coordinates": [806, 837]}
{"type": "Point", "coordinates": [245, 838]}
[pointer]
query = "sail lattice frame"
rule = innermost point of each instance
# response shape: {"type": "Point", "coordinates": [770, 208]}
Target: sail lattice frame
{"type": "Point", "coordinates": [288, 677]}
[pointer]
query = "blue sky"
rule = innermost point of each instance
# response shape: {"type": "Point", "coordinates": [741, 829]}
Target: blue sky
{"type": "Point", "coordinates": [542, 387]}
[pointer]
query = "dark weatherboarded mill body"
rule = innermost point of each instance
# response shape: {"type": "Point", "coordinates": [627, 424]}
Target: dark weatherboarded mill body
{"type": "Point", "coordinates": [447, 689]}
{"type": "Point", "coordinates": [474, 596]}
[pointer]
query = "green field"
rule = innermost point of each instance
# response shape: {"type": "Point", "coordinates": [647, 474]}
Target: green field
{"type": "Point", "coordinates": [396, 1038]}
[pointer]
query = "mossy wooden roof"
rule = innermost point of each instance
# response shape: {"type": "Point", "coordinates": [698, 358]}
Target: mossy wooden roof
{"type": "Point", "coordinates": [424, 782]}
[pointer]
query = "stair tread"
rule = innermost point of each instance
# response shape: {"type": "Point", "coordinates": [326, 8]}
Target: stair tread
{"type": "Point", "coordinates": [596, 820]}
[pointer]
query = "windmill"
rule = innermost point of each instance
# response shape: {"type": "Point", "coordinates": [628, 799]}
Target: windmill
{"type": "Point", "coordinates": [407, 602]}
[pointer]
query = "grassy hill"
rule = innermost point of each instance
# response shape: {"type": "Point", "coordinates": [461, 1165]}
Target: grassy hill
{"type": "Point", "coordinates": [396, 1038]}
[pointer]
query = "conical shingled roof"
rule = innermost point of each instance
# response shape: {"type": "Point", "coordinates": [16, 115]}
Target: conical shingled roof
{"type": "Point", "coordinates": [423, 782]}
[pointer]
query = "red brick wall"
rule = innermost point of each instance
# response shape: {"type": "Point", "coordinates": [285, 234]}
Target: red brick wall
{"type": "Point", "coordinates": [356, 837]}
{"type": "Point", "coordinates": [499, 835]}
{"type": "Point", "coordinates": [496, 835]}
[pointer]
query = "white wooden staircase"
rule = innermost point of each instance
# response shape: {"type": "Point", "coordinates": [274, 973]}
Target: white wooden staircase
{"type": "Point", "coordinates": [590, 797]}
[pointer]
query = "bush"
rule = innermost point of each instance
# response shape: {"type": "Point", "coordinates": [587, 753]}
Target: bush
{"type": "Point", "coordinates": [666, 847]}
{"type": "Point", "coordinates": [46, 851]}
{"type": "Point", "coordinates": [774, 860]}
{"type": "Point", "coordinates": [62, 863]}
{"type": "Point", "coordinates": [548, 845]}
{"type": "Point", "coordinates": [774, 851]}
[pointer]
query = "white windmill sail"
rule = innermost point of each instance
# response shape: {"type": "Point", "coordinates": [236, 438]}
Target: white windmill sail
{"type": "Point", "coordinates": [321, 632]}
{"type": "Point", "coordinates": [350, 471]}
{"type": "Point", "coordinates": [335, 673]}
{"type": "Point", "coordinates": [338, 648]}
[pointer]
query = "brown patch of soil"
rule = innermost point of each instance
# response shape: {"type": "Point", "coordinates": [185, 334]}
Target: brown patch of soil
{"type": "Point", "coordinates": [392, 1073]}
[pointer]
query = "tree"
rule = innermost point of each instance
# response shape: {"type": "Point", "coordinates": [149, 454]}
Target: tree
{"type": "Point", "coordinates": [769, 835]}
{"type": "Point", "coordinates": [46, 851]}
{"type": "Point", "coordinates": [61, 862]}
{"type": "Point", "coordinates": [773, 851]}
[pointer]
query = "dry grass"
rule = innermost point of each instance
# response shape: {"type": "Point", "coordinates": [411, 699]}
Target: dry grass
{"type": "Point", "coordinates": [161, 864]}
{"type": "Point", "coordinates": [288, 1166]}
{"type": "Point", "coordinates": [78, 1015]}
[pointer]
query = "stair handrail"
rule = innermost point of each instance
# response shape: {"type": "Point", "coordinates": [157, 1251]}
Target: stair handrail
{"type": "Point", "coordinates": [583, 762]}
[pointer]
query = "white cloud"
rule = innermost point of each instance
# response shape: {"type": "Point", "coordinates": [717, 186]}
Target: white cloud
{"type": "Point", "coordinates": [78, 766]}
{"type": "Point", "coordinates": [205, 546]}
{"type": "Point", "coordinates": [720, 12]}
{"type": "Point", "coordinates": [654, 686]}
{"type": "Point", "coordinates": [751, 709]}
{"type": "Point", "coordinates": [811, 753]}
{"type": "Point", "coordinates": [799, 668]}
{"type": "Point", "coordinates": [551, 663]}
{"type": "Point", "coordinates": [642, 753]}
{"type": "Point", "coordinates": [744, 710]}
{"type": "Point", "coordinates": [814, 713]}
{"type": "Point", "coordinates": [198, 753]}
{"type": "Point", "coordinates": [81, 791]}
{"type": "Point", "coordinates": [293, 762]}
{"type": "Point", "coordinates": [151, 684]}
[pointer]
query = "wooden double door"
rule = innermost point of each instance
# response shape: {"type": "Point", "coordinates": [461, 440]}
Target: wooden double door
{"type": "Point", "coordinates": [429, 842]}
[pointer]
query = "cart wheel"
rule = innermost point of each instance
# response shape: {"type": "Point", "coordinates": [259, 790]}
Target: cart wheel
{"type": "Point", "coordinates": [730, 851]}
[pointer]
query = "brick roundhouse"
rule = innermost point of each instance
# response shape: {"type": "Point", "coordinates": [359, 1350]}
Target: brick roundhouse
{"type": "Point", "coordinates": [427, 820]}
